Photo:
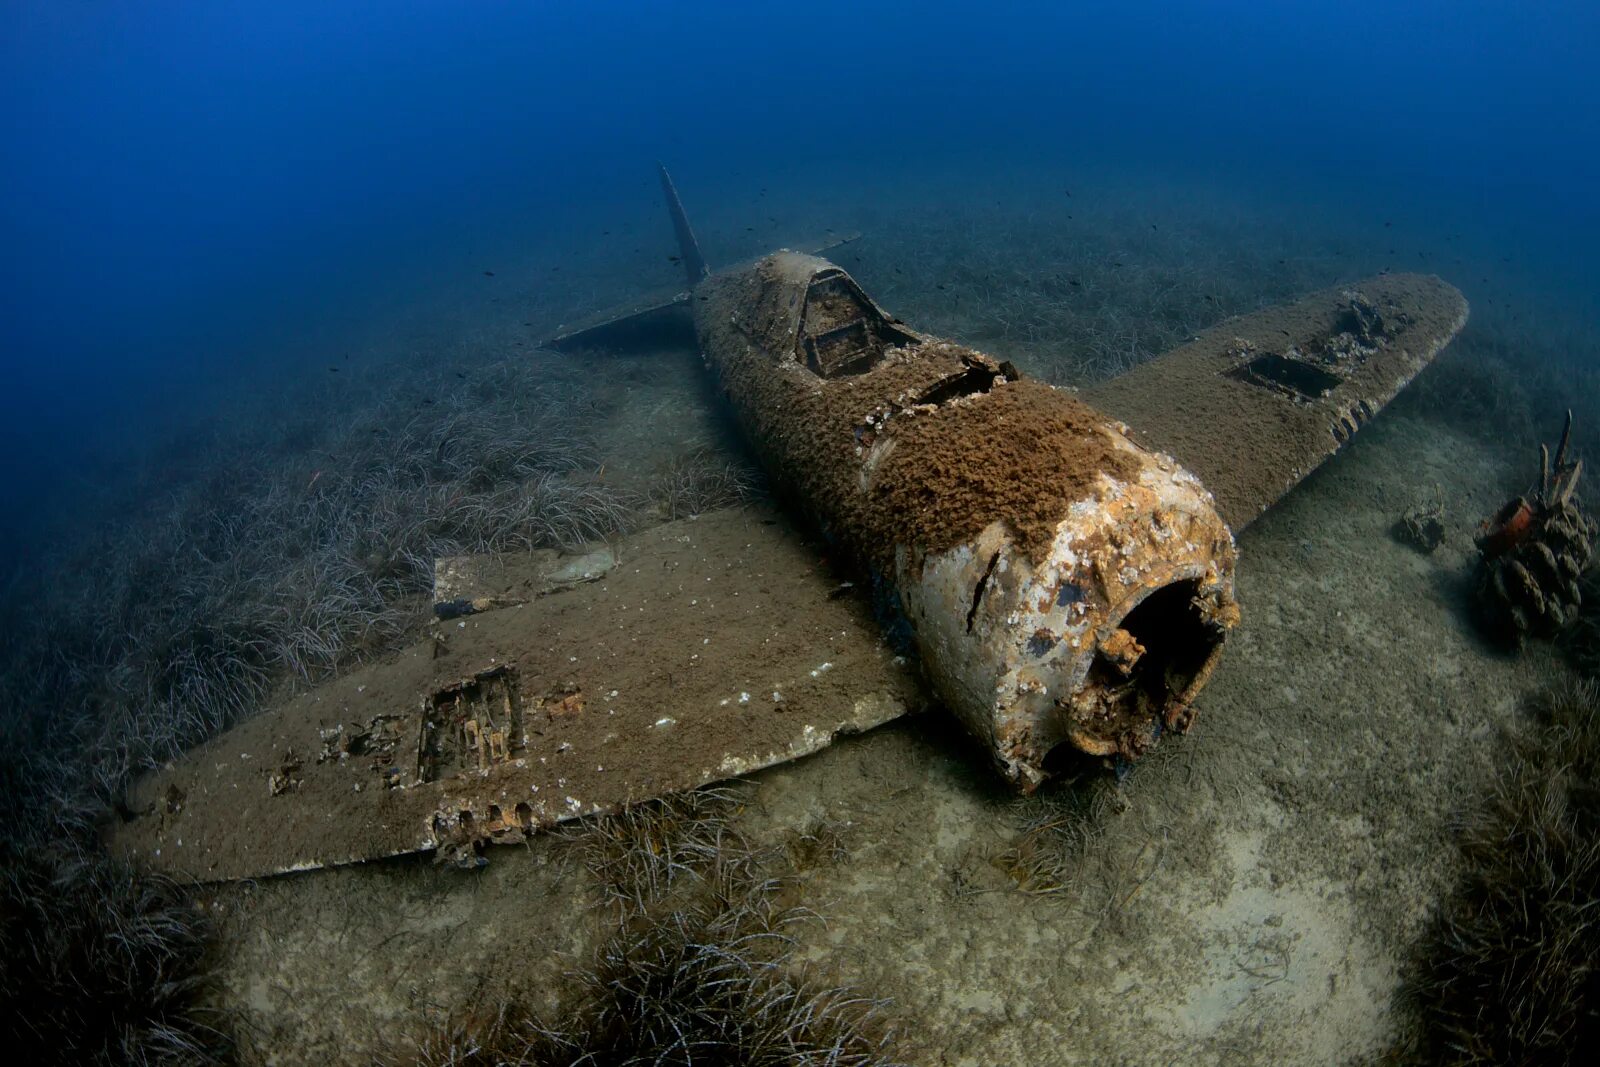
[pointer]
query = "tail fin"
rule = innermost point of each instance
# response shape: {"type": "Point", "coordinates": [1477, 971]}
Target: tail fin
{"type": "Point", "coordinates": [694, 264]}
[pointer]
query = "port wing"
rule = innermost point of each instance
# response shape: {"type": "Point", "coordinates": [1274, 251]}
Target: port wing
{"type": "Point", "coordinates": [1255, 404]}
{"type": "Point", "coordinates": [697, 651]}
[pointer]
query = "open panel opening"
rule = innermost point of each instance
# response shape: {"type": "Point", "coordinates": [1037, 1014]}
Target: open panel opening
{"type": "Point", "coordinates": [841, 332]}
{"type": "Point", "coordinates": [1294, 378]}
{"type": "Point", "coordinates": [470, 727]}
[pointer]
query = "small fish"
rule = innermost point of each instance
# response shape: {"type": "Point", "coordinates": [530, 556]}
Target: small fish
{"type": "Point", "coordinates": [333, 370]}
{"type": "Point", "coordinates": [673, 259]}
{"type": "Point", "coordinates": [1387, 224]}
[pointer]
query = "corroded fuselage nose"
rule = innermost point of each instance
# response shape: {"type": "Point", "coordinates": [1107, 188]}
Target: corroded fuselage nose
{"type": "Point", "coordinates": [1065, 586]}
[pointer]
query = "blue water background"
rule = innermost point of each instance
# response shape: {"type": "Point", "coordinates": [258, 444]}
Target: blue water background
{"type": "Point", "coordinates": [199, 197]}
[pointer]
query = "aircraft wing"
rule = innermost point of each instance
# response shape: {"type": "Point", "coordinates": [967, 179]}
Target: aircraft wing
{"type": "Point", "coordinates": [711, 648]}
{"type": "Point", "coordinates": [1256, 403]}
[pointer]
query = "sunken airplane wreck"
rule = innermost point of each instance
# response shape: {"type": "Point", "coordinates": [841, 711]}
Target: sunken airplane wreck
{"type": "Point", "coordinates": [1062, 564]}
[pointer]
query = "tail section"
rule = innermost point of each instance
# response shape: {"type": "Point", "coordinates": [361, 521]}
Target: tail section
{"type": "Point", "coordinates": [694, 264]}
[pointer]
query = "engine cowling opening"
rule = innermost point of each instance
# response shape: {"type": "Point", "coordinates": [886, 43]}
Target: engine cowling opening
{"type": "Point", "coordinates": [1145, 671]}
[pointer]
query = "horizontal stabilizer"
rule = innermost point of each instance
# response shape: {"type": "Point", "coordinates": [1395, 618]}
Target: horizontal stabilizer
{"type": "Point", "coordinates": [1255, 404]}
{"type": "Point", "coordinates": [628, 325]}
{"type": "Point", "coordinates": [640, 322]}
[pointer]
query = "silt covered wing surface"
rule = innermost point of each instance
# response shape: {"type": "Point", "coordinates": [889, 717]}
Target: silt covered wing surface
{"type": "Point", "coordinates": [713, 647]}
{"type": "Point", "coordinates": [1256, 403]}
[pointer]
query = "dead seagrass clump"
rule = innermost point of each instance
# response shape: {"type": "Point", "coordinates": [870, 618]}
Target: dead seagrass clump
{"type": "Point", "coordinates": [1533, 553]}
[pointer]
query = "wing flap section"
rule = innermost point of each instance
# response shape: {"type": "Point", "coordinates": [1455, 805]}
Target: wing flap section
{"type": "Point", "coordinates": [1258, 402]}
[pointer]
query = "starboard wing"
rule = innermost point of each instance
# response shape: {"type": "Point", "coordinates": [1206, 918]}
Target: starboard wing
{"type": "Point", "coordinates": [1258, 402]}
{"type": "Point", "coordinates": [711, 648]}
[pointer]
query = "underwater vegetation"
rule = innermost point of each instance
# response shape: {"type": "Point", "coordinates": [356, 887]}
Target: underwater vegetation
{"type": "Point", "coordinates": [697, 968]}
{"type": "Point", "coordinates": [100, 963]}
{"type": "Point", "coordinates": [298, 538]}
{"type": "Point", "coordinates": [281, 555]}
{"type": "Point", "coordinates": [1511, 969]}
{"type": "Point", "coordinates": [701, 481]}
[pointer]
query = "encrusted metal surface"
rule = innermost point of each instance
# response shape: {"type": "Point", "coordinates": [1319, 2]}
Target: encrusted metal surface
{"type": "Point", "coordinates": [1020, 530]}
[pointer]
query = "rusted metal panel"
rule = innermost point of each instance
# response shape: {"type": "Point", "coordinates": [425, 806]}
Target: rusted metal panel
{"type": "Point", "coordinates": [1255, 404]}
{"type": "Point", "coordinates": [711, 649]}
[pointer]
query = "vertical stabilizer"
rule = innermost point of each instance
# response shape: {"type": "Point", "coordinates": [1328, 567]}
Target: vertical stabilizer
{"type": "Point", "coordinates": [694, 264]}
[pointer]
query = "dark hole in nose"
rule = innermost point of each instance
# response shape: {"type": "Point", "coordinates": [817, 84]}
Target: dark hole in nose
{"type": "Point", "coordinates": [1179, 641]}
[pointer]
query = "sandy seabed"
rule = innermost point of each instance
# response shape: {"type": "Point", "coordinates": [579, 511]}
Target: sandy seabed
{"type": "Point", "coordinates": [1250, 893]}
